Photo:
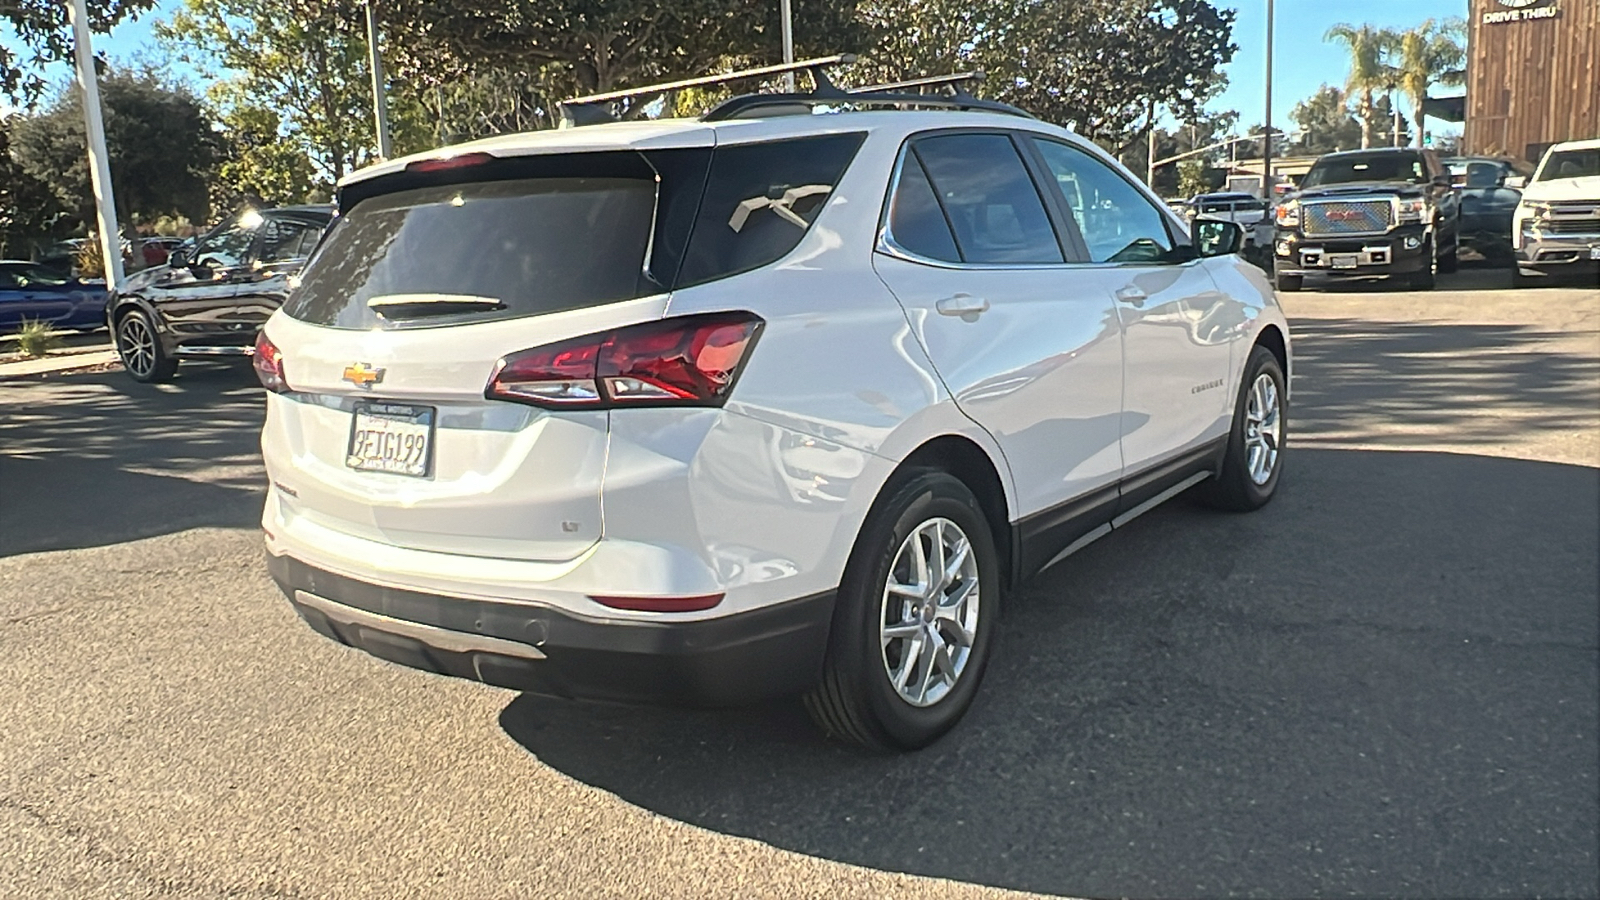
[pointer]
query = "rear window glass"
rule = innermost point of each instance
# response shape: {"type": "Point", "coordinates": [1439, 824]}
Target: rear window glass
{"type": "Point", "coordinates": [760, 199]}
{"type": "Point", "coordinates": [534, 245]}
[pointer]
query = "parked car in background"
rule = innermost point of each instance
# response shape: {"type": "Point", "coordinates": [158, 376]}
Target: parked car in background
{"type": "Point", "coordinates": [210, 301]}
{"type": "Point", "coordinates": [1362, 213]}
{"type": "Point", "coordinates": [1249, 212]}
{"type": "Point", "coordinates": [1490, 187]}
{"type": "Point", "coordinates": [1556, 227]}
{"type": "Point", "coordinates": [157, 249]}
{"type": "Point", "coordinates": [30, 291]}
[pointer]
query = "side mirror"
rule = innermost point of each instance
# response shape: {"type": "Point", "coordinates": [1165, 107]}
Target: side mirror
{"type": "Point", "coordinates": [1214, 237]}
{"type": "Point", "coordinates": [1517, 182]}
{"type": "Point", "coordinates": [1443, 181]}
{"type": "Point", "coordinates": [179, 257]}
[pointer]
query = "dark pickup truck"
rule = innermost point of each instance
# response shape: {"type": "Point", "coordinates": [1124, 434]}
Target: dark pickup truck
{"type": "Point", "coordinates": [1369, 213]}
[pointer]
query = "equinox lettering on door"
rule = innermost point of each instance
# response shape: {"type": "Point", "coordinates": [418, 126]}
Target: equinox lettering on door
{"type": "Point", "coordinates": [1206, 387]}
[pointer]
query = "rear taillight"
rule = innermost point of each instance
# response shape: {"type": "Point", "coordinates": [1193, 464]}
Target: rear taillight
{"type": "Point", "coordinates": [685, 361]}
{"type": "Point", "coordinates": [269, 365]}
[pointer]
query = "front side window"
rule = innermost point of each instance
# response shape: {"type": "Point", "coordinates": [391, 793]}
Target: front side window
{"type": "Point", "coordinates": [1119, 224]}
{"type": "Point", "coordinates": [988, 198]}
{"type": "Point", "coordinates": [229, 245]}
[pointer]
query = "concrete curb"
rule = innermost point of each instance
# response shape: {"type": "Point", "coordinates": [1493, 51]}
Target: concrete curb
{"type": "Point", "coordinates": [58, 362]}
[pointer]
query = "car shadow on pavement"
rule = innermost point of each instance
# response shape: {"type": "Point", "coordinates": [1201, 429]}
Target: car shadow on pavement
{"type": "Point", "coordinates": [1467, 386]}
{"type": "Point", "coordinates": [1472, 276]}
{"type": "Point", "coordinates": [1383, 684]}
{"type": "Point", "coordinates": [91, 460]}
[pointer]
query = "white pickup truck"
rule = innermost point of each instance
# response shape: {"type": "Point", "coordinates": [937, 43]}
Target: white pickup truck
{"type": "Point", "coordinates": [1556, 228]}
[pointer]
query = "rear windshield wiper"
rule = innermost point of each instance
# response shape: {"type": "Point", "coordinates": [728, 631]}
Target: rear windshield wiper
{"type": "Point", "coordinates": [416, 306]}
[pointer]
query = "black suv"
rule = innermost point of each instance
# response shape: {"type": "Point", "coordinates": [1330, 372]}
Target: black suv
{"type": "Point", "coordinates": [211, 301]}
{"type": "Point", "coordinates": [1367, 213]}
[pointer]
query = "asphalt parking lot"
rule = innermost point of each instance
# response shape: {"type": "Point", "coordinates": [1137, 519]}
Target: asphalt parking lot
{"type": "Point", "coordinates": [1386, 683]}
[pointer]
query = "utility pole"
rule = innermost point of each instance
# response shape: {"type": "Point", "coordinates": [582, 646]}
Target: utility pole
{"type": "Point", "coordinates": [786, 12]}
{"type": "Point", "coordinates": [1150, 152]}
{"type": "Point", "coordinates": [380, 104]}
{"type": "Point", "coordinates": [1266, 150]}
{"type": "Point", "coordinates": [99, 161]}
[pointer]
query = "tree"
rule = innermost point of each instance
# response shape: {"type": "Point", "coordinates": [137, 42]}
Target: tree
{"type": "Point", "coordinates": [1326, 123]}
{"type": "Point", "coordinates": [41, 28]}
{"type": "Point", "coordinates": [29, 210]}
{"type": "Point", "coordinates": [1370, 69]}
{"type": "Point", "coordinates": [305, 59]}
{"type": "Point", "coordinates": [1429, 54]}
{"type": "Point", "coordinates": [258, 163]}
{"type": "Point", "coordinates": [161, 145]}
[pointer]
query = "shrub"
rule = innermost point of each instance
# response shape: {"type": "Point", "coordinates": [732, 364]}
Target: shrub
{"type": "Point", "coordinates": [37, 338]}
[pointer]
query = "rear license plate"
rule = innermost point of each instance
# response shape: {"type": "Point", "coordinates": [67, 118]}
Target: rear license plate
{"type": "Point", "coordinates": [391, 437]}
{"type": "Point", "coordinates": [1594, 252]}
{"type": "Point", "coordinates": [1344, 260]}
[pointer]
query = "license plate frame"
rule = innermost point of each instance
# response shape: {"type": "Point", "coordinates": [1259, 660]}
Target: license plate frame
{"type": "Point", "coordinates": [1344, 260]}
{"type": "Point", "coordinates": [370, 420]}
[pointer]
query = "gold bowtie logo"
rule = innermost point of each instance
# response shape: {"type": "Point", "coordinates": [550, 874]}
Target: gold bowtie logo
{"type": "Point", "coordinates": [361, 375]}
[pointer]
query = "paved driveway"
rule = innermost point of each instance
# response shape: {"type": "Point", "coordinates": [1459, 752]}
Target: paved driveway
{"type": "Point", "coordinates": [1384, 684]}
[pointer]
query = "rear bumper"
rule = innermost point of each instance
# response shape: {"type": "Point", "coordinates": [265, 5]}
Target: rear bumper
{"type": "Point", "coordinates": [767, 652]}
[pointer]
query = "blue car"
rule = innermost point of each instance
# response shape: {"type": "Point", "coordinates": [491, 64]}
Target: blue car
{"type": "Point", "coordinates": [31, 291]}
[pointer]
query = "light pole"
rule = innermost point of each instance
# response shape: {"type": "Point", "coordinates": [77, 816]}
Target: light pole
{"type": "Point", "coordinates": [1266, 148]}
{"type": "Point", "coordinates": [786, 12]}
{"type": "Point", "coordinates": [99, 161]}
{"type": "Point", "coordinates": [380, 105]}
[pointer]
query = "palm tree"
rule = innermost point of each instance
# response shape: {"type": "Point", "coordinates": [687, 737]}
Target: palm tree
{"type": "Point", "coordinates": [1370, 49]}
{"type": "Point", "coordinates": [1430, 54]}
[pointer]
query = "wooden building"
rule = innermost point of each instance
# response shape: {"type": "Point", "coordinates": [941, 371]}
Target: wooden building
{"type": "Point", "coordinates": [1533, 75]}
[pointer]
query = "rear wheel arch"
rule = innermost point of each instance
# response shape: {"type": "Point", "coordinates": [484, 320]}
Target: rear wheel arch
{"type": "Point", "coordinates": [966, 461]}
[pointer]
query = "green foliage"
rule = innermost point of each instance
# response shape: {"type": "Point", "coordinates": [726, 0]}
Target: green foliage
{"type": "Point", "coordinates": [29, 210]}
{"type": "Point", "coordinates": [306, 60]}
{"type": "Point", "coordinates": [1192, 178]}
{"type": "Point", "coordinates": [161, 146]}
{"type": "Point", "coordinates": [37, 338]}
{"type": "Point", "coordinates": [259, 163]}
{"type": "Point", "coordinates": [90, 260]}
{"type": "Point", "coordinates": [1427, 55]}
{"type": "Point", "coordinates": [42, 36]}
{"type": "Point", "coordinates": [1371, 67]}
{"type": "Point", "coordinates": [1326, 123]}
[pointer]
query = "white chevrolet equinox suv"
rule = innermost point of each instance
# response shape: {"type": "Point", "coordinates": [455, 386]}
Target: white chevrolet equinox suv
{"type": "Point", "coordinates": [756, 404]}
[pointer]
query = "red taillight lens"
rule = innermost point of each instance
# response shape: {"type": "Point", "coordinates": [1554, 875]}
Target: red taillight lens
{"type": "Point", "coordinates": [686, 361]}
{"type": "Point", "coordinates": [660, 604]}
{"type": "Point", "coordinates": [269, 365]}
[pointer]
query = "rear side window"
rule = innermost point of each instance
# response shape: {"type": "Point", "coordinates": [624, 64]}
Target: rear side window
{"type": "Point", "coordinates": [989, 199]}
{"type": "Point", "coordinates": [916, 222]}
{"type": "Point", "coordinates": [760, 199]}
{"type": "Point", "coordinates": [536, 245]}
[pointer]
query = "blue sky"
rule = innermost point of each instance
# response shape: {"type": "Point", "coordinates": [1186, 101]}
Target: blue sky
{"type": "Point", "coordinates": [1302, 60]}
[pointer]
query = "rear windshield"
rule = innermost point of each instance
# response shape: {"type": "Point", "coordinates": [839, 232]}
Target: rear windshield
{"type": "Point", "coordinates": [1240, 205]}
{"type": "Point", "coordinates": [1571, 164]}
{"type": "Point", "coordinates": [646, 223]}
{"type": "Point", "coordinates": [1378, 167]}
{"type": "Point", "coordinates": [534, 245]}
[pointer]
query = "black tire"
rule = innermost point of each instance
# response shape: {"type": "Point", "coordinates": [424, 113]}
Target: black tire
{"type": "Point", "coordinates": [855, 700]}
{"type": "Point", "coordinates": [1290, 283]}
{"type": "Point", "coordinates": [140, 348]}
{"type": "Point", "coordinates": [1234, 489]}
{"type": "Point", "coordinates": [1425, 279]}
{"type": "Point", "coordinates": [1451, 261]}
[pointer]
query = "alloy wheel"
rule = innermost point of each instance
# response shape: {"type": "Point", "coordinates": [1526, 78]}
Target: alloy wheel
{"type": "Point", "coordinates": [1263, 428]}
{"type": "Point", "coordinates": [929, 616]}
{"type": "Point", "coordinates": [137, 346]}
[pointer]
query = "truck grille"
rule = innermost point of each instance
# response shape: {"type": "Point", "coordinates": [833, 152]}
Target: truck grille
{"type": "Point", "coordinates": [1348, 217]}
{"type": "Point", "coordinates": [1571, 226]}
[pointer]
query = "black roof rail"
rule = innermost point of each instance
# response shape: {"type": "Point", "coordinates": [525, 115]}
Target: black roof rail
{"type": "Point", "coordinates": [596, 108]}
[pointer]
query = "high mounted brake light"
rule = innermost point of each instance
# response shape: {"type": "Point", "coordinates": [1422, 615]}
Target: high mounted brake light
{"type": "Point", "coordinates": [684, 361]}
{"type": "Point", "coordinates": [449, 162]}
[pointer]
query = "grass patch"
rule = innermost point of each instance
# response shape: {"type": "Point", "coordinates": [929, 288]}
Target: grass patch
{"type": "Point", "coordinates": [36, 338]}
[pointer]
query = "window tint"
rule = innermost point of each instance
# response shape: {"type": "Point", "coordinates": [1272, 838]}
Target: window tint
{"type": "Point", "coordinates": [759, 201]}
{"type": "Point", "coordinates": [229, 245]}
{"type": "Point", "coordinates": [287, 239]}
{"type": "Point", "coordinates": [536, 245]}
{"type": "Point", "coordinates": [989, 199]}
{"type": "Point", "coordinates": [1118, 223]}
{"type": "Point", "coordinates": [916, 222]}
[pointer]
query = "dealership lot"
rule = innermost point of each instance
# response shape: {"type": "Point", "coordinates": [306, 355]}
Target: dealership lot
{"type": "Point", "coordinates": [1385, 683]}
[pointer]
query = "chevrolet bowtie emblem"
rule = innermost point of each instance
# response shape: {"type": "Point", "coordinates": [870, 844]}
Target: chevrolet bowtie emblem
{"type": "Point", "coordinates": [361, 375]}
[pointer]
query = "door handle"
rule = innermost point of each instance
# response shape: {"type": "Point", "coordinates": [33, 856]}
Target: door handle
{"type": "Point", "coordinates": [962, 305]}
{"type": "Point", "coordinates": [1132, 296]}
